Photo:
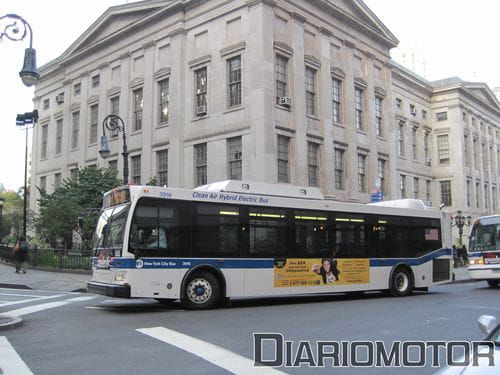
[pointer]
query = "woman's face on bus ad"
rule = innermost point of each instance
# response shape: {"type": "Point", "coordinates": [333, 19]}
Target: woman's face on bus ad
{"type": "Point", "coordinates": [327, 266]}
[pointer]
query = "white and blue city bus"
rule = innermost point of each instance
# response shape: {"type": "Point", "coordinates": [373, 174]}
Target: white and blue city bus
{"type": "Point", "coordinates": [484, 250]}
{"type": "Point", "coordinates": [236, 239]}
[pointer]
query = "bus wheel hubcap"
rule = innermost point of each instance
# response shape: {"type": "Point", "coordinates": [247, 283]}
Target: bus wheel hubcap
{"type": "Point", "coordinates": [199, 290]}
{"type": "Point", "coordinates": [402, 282]}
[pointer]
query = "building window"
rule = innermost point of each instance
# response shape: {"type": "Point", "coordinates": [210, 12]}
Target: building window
{"type": "Point", "coordinates": [162, 162]}
{"type": "Point", "coordinates": [414, 143]}
{"type": "Point", "coordinates": [115, 110]}
{"type": "Point", "coordinates": [498, 159]}
{"type": "Point", "coordinates": [358, 99]}
{"type": "Point", "coordinates": [424, 114]}
{"type": "Point", "coordinates": [283, 146]}
{"type": "Point", "coordinates": [281, 71]}
{"type": "Point", "coordinates": [443, 149]}
{"type": "Point", "coordinates": [234, 161]}
{"type": "Point", "coordinates": [413, 110]}
{"type": "Point", "coordinates": [95, 81]}
{"type": "Point", "coordinates": [442, 116]}
{"type": "Point", "coordinates": [381, 174]}
{"type": "Point", "coordinates": [362, 173]}
{"type": "Point", "coordinates": [57, 180]}
{"type": "Point", "coordinates": [378, 115]}
{"type": "Point", "coordinates": [310, 91]}
{"type": "Point", "coordinates": [426, 149]}
{"type": "Point", "coordinates": [464, 116]}
{"type": "Point", "coordinates": [77, 89]}
{"type": "Point", "coordinates": [446, 192]}
{"type": "Point", "coordinates": [486, 196]}
{"type": "Point", "coordinates": [398, 103]}
{"type": "Point", "coordinates": [201, 91]}
{"type": "Point", "coordinates": [45, 138]}
{"type": "Point", "coordinates": [466, 150]}
{"type": "Point", "coordinates": [75, 129]}
{"type": "Point", "coordinates": [59, 136]}
{"type": "Point", "coordinates": [73, 174]}
{"type": "Point", "coordinates": [485, 157]}
{"type": "Point", "coordinates": [312, 163]}
{"type": "Point", "coordinates": [401, 140]}
{"type": "Point", "coordinates": [46, 104]}
{"type": "Point", "coordinates": [428, 191]}
{"type": "Point", "coordinates": [163, 99]}
{"type": "Point", "coordinates": [136, 169]}
{"type": "Point", "coordinates": [478, 195]}
{"type": "Point", "coordinates": [234, 73]}
{"type": "Point", "coordinates": [416, 188]}
{"type": "Point", "coordinates": [468, 193]}
{"type": "Point", "coordinates": [474, 150]}
{"type": "Point", "coordinates": [337, 99]}
{"type": "Point", "coordinates": [494, 198]}
{"type": "Point", "coordinates": [43, 183]}
{"type": "Point", "coordinates": [113, 164]}
{"type": "Point", "coordinates": [339, 169]}
{"type": "Point", "coordinates": [402, 185]}
{"type": "Point", "coordinates": [200, 156]}
{"type": "Point", "coordinates": [94, 112]}
{"type": "Point", "coordinates": [138, 105]}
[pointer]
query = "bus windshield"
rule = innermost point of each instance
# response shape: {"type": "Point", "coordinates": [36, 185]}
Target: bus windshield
{"type": "Point", "coordinates": [110, 230]}
{"type": "Point", "coordinates": [485, 236]}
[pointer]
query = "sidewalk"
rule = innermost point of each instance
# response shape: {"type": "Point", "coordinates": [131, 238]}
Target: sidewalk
{"type": "Point", "coordinates": [43, 280]}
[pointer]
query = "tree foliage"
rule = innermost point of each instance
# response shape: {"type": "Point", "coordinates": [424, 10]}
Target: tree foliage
{"type": "Point", "coordinates": [82, 197]}
{"type": "Point", "coordinates": [12, 216]}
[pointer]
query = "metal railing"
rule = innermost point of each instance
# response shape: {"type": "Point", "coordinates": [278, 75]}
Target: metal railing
{"type": "Point", "coordinates": [52, 258]}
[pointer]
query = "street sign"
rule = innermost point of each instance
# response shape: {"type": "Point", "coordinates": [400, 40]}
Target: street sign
{"type": "Point", "coordinates": [377, 196]}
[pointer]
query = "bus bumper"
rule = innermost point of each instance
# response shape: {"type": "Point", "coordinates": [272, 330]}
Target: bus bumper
{"type": "Point", "coordinates": [484, 273]}
{"type": "Point", "coordinates": [110, 290]}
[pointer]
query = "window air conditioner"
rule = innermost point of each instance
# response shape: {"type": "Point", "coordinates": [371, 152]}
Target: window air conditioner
{"type": "Point", "coordinates": [427, 161]}
{"type": "Point", "coordinates": [60, 99]}
{"type": "Point", "coordinates": [285, 101]}
{"type": "Point", "coordinates": [201, 110]}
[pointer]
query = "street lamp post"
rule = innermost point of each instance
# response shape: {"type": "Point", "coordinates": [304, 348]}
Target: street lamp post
{"type": "Point", "coordinates": [26, 122]}
{"type": "Point", "coordinates": [2, 201]}
{"type": "Point", "coordinates": [115, 123]}
{"type": "Point", "coordinates": [16, 30]}
{"type": "Point", "coordinates": [460, 222]}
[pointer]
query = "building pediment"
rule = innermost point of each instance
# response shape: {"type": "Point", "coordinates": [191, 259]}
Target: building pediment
{"type": "Point", "coordinates": [113, 22]}
{"type": "Point", "coordinates": [355, 11]}
{"type": "Point", "coordinates": [482, 91]}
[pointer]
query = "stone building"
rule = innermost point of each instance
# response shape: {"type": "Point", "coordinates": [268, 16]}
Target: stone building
{"type": "Point", "coordinates": [296, 91]}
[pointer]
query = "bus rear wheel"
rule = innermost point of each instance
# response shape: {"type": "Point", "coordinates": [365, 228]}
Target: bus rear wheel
{"type": "Point", "coordinates": [493, 283]}
{"type": "Point", "coordinates": [201, 292]}
{"type": "Point", "coordinates": [401, 283]}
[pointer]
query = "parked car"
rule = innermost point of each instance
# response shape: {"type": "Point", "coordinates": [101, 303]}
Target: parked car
{"type": "Point", "coordinates": [489, 326]}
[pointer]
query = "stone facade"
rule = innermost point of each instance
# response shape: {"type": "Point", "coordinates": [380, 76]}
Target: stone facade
{"type": "Point", "coordinates": [300, 92]}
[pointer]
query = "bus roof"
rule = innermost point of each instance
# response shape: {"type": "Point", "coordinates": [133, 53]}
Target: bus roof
{"type": "Point", "coordinates": [275, 197]}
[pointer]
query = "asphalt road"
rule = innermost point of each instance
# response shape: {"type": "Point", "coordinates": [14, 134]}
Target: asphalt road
{"type": "Point", "coordinates": [66, 333]}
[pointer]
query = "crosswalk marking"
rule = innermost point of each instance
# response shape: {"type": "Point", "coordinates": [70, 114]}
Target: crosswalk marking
{"type": "Point", "coordinates": [232, 362]}
{"type": "Point", "coordinates": [10, 362]}
{"type": "Point", "coordinates": [38, 298]}
{"type": "Point", "coordinates": [35, 308]}
{"type": "Point", "coordinates": [81, 299]}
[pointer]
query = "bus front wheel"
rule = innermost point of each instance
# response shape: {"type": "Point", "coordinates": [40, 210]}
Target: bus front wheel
{"type": "Point", "coordinates": [201, 291]}
{"type": "Point", "coordinates": [493, 283]}
{"type": "Point", "coordinates": [401, 282]}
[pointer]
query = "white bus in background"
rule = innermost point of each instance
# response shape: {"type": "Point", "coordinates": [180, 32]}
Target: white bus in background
{"type": "Point", "coordinates": [484, 250]}
{"type": "Point", "coordinates": [236, 239]}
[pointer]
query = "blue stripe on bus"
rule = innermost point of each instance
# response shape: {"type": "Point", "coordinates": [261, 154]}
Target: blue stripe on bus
{"type": "Point", "coordinates": [178, 263]}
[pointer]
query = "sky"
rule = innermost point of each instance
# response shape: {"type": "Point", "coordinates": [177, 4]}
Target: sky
{"type": "Point", "coordinates": [457, 38]}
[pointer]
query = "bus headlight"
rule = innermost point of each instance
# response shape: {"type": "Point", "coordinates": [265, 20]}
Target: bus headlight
{"type": "Point", "coordinates": [476, 261]}
{"type": "Point", "coordinates": [121, 276]}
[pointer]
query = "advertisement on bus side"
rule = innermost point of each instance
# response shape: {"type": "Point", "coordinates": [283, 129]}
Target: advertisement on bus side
{"type": "Point", "coordinates": [316, 272]}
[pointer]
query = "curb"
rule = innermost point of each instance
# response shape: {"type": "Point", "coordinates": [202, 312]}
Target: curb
{"type": "Point", "coordinates": [15, 286]}
{"type": "Point", "coordinates": [8, 321]}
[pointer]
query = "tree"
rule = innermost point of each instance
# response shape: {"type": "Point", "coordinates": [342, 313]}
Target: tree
{"type": "Point", "coordinates": [12, 216]}
{"type": "Point", "coordinates": [82, 197]}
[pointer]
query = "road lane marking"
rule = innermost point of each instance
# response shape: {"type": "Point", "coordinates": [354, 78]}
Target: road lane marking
{"type": "Point", "coordinates": [10, 362]}
{"type": "Point", "coordinates": [31, 300]}
{"type": "Point", "coordinates": [18, 294]}
{"type": "Point", "coordinates": [232, 362]}
{"type": "Point", "coordinates": [35, 308]}
{"type": "Point", "coordinates": [81, 299]}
